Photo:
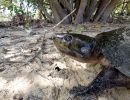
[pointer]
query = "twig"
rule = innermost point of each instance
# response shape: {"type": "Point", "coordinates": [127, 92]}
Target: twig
{"type": "Point", "coordinates": [62, 20]}
{"type": "Point", "coordinates": [43, 41]}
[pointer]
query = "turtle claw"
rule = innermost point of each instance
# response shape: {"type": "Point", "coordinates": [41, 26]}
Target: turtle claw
{"type": "Point", "coordinates": [77, 89]}
{"type": "Point", "coordinates": [83, 92]}
{"type": "Point", "coordinates": [71, 97]}
{"type": "Point", "coordinates": [75, 92]}
{"type": "Point", "coordinates": [106, 79]}
{"type": "Point", "coordinates": [96, 87]}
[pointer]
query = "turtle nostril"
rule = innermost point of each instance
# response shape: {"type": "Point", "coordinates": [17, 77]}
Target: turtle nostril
{"type": "Point", "coordinates": [54, 36]}
{"type": "Point", "coordinates": [68, 38]}
{"type": "Point", "coordinates": [51, 38]}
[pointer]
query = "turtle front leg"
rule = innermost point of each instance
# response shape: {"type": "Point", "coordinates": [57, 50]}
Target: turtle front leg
{"type": "Point", "coordinates": [106, 79]}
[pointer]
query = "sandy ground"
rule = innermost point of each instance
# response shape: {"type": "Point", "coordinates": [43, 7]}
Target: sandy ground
{"type": "Point", "coordinates": [50, 75]}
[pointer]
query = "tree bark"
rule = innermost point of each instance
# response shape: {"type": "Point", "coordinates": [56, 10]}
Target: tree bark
{"type": "Point", "coordinates": [66, 5]}
{"type": "Point", "coordinates": [103, 4]}
{"type": "Point", "coordinates": [77, 4]}
{"type": "Point", "coordinates": [105, 16]}
{"type": "Point", "coordinates": [79, 17]}
{"type": "Point", "coordinates": [58, 12]}
{"type": "Point", "coordinates": [86, 10]}
{"type": "Point", "coordinates": [91, 10]}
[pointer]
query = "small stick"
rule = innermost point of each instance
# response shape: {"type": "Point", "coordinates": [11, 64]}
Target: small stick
{"type": "Point", "coordinates": [63, 19]}
{"type": "Point", "coordinates": [36, 53]}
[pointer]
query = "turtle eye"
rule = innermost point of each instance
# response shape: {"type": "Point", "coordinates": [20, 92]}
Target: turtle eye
{"type": "Point", "coordinates": [68, 38]}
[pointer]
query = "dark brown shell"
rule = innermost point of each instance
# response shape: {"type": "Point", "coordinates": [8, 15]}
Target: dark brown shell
{"type": "Point", "coordinates": [115, 46]}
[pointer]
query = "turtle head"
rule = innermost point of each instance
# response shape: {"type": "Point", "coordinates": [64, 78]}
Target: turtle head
{"type": "Point", "coordinates": [75, 45]}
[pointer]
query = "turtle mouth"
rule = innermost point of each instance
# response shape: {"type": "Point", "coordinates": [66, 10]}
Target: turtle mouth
{"type": "Point", "coordinates": [67, 52]}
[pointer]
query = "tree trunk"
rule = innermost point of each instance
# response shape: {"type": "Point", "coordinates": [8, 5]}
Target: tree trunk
{"type": "Point", "coordinates": [77, 4]}
{"type": "Point", "coordinates": [103, 4]}
{"type": "Point", "coordinates": [58, 12]}
{"type": "Point", "coordinates": [91, 10]}
{"type": "Point", "coordinates": [66, 5]}
{"type": "Point", "coordinates": [79, 17]}
{"type": "Point", "coordinates": [105, 16]}
{"type": "Point", "coordinates": [86, 10]}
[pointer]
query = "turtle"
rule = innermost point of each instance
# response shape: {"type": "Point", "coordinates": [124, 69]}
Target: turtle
{"type": "Point", "coordinates": [111, 49]}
